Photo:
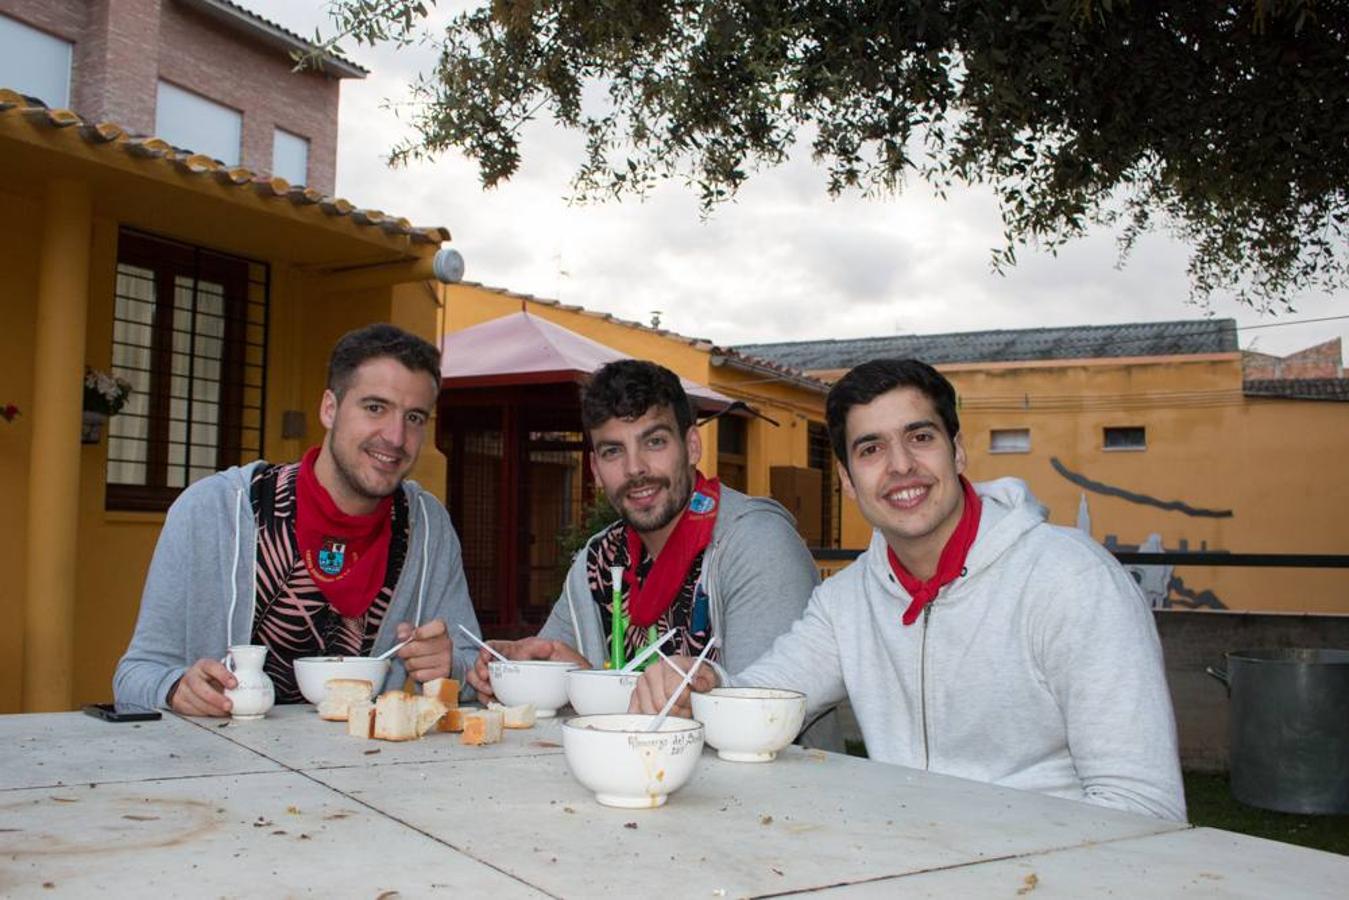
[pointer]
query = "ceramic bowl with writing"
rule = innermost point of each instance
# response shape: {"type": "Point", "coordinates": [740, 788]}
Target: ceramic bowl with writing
{"type": "Point", "coordinates": [540, 682]}
{"type": "Point", "coordinates": [597, 691]}
{"type": "Point", "coordinates": [624, 765]}
{"type": "Point", "coordinates": [750, 724]}
{"type": "Point", "coordinates": [313, 672]}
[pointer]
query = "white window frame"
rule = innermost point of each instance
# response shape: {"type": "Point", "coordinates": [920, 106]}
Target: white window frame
{"type": "Point", "coordinates": [26, 49]}
{"type": "Point", "coordinates": [281, 137]}
{"type": "Point", "coordinates": [995, 433]}
{"type": "Point", "coordinates": [177, 109]}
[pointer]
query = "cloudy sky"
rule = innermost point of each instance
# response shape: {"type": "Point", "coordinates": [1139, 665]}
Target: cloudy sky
{"type": "Point", "coordinates": [784, 262]}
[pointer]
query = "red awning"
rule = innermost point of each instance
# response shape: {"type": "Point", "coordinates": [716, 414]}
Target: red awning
{"type": "Point", "coordinates": [525, 349]}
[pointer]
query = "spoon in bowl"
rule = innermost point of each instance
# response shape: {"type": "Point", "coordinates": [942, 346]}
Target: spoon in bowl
{"type": "Point", "coordinates": [646, 653]}
{"type": "Point", "coordinates": [392, 650]}
{"type": "Point", "coordinates": [483, 644]}
{"type": "Point", "coordinates": [688, 676]}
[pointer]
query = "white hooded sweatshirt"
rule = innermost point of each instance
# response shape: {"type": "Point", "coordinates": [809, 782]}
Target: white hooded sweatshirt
{"type": "Point", "coordinates": [1038, 668]}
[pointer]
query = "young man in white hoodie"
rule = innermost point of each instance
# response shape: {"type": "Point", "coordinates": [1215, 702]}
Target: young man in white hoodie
{"type": "Point", "coordinates": [972, 637]}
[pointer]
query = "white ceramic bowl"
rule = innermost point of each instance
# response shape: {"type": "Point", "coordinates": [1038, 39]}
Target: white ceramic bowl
{"type": "Point", "coordinates": [750, 724]}
{"type": "Point", "coordinates": [540, 682]}
{"type": "Point", "coordinates": [624, 765]}
{"type": "Point", "coordinates": [312, 673]}
{"type": "Point", "coordinates": [596, 691]}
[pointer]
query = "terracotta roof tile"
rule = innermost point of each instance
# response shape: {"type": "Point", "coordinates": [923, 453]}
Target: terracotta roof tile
{"type": "Point", "coordinates": [112, 138]}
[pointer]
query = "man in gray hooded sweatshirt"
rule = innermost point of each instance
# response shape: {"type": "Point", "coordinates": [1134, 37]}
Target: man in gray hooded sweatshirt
{"type": "Point", "coordinates": [335, 555]}
{"type": "Point", "coordinates": [696, 557]}
{"type": "Point", "coordinates": [972, 637]}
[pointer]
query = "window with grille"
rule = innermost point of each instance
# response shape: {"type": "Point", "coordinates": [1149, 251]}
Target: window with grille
{"type": "Point", "coordinates": [190, 334]}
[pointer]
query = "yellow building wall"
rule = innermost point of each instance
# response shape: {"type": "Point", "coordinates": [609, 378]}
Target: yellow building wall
{"type": "Point", "coordinates": [18, 260]}
{"type": "Point", "coordinates": [114, 548]}
{"type": "Point", "coordinates": [1273, 463]}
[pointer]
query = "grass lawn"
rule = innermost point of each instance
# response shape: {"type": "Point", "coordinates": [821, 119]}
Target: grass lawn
{"type": "Point", "coordinates": [1211, 805]}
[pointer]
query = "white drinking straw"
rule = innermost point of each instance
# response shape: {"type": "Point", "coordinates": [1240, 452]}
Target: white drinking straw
{"type": "Point", "coordinates": [483, 644]}
{"type": "Point", "coordinates": [688, 676]}
{"type": "Point", "coordinates": [646, 654]}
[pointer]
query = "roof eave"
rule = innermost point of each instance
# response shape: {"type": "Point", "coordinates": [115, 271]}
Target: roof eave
{"type": "Point", "coordinates": [723, 359]}
{"type": "Point", "coordinates": [233, 15]}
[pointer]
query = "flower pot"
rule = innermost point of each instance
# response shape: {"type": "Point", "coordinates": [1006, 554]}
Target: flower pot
{"type": "Point", "coordinates": [92, 429]}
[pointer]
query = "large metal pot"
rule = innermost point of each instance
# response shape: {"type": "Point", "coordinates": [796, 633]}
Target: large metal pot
{"type": "Point", "coordinates": [1289, 728]}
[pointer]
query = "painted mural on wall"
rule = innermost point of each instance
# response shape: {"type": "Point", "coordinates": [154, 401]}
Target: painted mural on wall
{"type": "Point", "coordinates": [1163, 588]}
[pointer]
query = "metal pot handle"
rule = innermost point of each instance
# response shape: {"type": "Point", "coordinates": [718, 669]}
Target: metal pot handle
{"type": "Point", "coordinates": [1221, 676]}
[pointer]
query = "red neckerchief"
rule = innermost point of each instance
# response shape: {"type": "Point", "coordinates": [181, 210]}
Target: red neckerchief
{"type": "Point", "coordinates": [692, 534]}
{"type": "Point", "coordinates": [345, 555]}
{"type": "Point", "coordinates": [952, 559]}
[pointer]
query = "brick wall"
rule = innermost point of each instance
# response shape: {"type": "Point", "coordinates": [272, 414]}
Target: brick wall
{"type": "Point", "coordinates": [1322, 361]}
{"type": "Point", "coordinates": [200, 55]}
{"type": "Point", "coordinates": [124, 47]}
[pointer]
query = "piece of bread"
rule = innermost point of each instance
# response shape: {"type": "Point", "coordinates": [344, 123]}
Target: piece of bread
{"type": "Point", "coordinates": [446, 690]}
{"type": "Point", "coordinates": [361, 719]}
{"type": "Point", "coordinates": [482, 726]}
{"type": "Point", "coordinates": [453, 720]}
{"type": "Point", "coordinates": [341, 693]}
{"type": "Point", "coordinates": [396, 717]}
{"type": "Point", "coordinates": [429, 712]}
{"type": "Point", "coordinates": [515, 716]}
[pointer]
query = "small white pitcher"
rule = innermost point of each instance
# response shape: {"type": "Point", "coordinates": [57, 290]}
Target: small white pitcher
{"type": "Point", "coordinates": [255, 694]}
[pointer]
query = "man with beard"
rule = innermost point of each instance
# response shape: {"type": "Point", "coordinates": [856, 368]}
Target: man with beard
{"type": "Point", "coordinates": [973, 638]}
{"type": "Point", "coordinates": [697, 557]}
{"type": "Point", "coordinates": [334, 555]}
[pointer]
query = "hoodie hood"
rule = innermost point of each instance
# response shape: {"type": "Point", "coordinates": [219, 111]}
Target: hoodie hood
{"type": "Point", "coordinates": [1009, 511]}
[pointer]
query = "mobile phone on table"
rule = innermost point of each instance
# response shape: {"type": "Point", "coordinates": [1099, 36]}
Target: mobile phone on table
{"type": "Point", "coordinates": [121, 712]}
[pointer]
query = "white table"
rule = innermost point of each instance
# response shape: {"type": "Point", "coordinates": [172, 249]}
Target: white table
{"type": "Point", "coordinates": [291, 805]}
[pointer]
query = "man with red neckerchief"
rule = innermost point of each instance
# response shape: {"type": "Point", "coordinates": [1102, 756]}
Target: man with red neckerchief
{"type": "Point", "coordinates": [972, 637]}
{"type": "Point", "coordinates": [697, 557]}
{"type": "Point", "coordinates": [334, 555]}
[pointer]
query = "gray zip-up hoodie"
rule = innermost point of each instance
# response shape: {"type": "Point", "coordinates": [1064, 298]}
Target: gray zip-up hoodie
{"type": "Point", "coordinates": [1039, 668]}
{"type": "Point", "coordinates": [757, 573]}
{"type": "Point", "coordinates": [199, 594]}
{"type": "Point", "coordinates": [758, 576]}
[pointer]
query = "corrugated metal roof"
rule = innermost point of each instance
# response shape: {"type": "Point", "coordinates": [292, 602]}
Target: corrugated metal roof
{"type": "Point", "coordinates": [1182, 338]}
{"type": "Point", "coordinates": [111, 138]}
{"type": "Point", "coordinates": [1332, 389]}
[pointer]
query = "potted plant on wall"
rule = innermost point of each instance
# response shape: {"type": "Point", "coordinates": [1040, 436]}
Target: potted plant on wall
{"type": "Point", "coordinates": [104, 395]}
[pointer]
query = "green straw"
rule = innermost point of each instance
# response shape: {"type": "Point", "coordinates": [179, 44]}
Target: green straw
{"type": "Point", "coordinates": [616, 655]}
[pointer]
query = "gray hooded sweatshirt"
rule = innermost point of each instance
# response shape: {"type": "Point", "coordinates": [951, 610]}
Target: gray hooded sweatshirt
{"type": "Point", "coordinates": [758, 576]}
{"type": "Point", "coordinates": [1039, 668]}
{"type": "Point", "coordinates": [199, 594]}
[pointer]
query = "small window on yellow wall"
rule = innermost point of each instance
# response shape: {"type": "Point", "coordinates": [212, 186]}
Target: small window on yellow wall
{"type": "Point", "coordinates": [1132, 437]}
{"type": "Point", "coordinates": [1009, 440]}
